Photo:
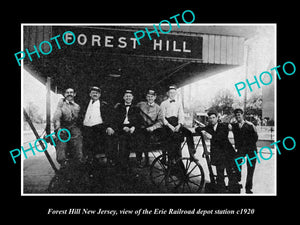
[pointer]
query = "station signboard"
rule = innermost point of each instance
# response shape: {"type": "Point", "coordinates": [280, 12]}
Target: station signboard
{"type": "Point", "coordinates": [121, 41]}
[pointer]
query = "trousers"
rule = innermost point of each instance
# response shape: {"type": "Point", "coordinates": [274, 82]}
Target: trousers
{"type": "Point", "coordinates": [70, 149]}
{"type": "Point", "coordinates": [232, 178]}
{"type": "Point", "coordinates": [176, 138]}
{"type": "Point", "coordinates": [127, 143]}
{"type": "Point", "coordinates": [96, 140]}
{"type": "Point", "coordinates": [144, 139]}
{"type": "Point", "coordinates": [250, 169]}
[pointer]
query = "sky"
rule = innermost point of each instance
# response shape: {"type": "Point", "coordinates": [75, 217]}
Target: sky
{"type": "Point", "coordinates": [34, 91]}
{"type": "Point", "coordinates": [261, 53]}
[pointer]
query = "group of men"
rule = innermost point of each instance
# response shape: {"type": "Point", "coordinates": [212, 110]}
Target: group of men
{"type": "Point", "coordinates": [119, 129]}
{"type": "Point", "coordinates": [222, 153]}
{"type": "Point", "coordinates": [127, 127]}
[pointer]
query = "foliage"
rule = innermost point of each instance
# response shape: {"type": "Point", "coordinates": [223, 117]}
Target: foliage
{"type": "Point", "coordinates": [222, 102]}
{"type": "Point", "coordinates": [254, 105]}
{"type": "Point", "coordinates": [33, 113]}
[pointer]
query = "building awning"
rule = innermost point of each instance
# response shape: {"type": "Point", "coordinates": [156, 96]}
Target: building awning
{"type": "Point", "coordinates": [109, 57]}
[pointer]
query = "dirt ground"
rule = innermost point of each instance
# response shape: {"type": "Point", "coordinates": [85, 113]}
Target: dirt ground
{"type": "Point", "coordinates": [40, 178]}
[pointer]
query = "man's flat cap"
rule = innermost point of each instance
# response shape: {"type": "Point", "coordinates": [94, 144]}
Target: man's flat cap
{"type": "Point", "coordinates": [172, 87]}
{"type": "Point", "coordinates": [212, 112]}
{"type": "Point", "coordinates": [151, 92]}
{"type": "Point", "coordinates": [95, 88]}
{"type": "Point", "coordinates": [238, 110]}
{"type": "Point", "coordinates": [128, 91]}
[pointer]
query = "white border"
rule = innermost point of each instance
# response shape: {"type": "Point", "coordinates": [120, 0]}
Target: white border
{"type": "Point", "coordinates": [148, 24]}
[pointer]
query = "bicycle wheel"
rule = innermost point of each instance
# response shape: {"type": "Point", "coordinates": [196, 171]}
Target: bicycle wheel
{"type": "Point", "coordinates": [158, 171]}
{"type": "Point", "coordinates": [189, 175]}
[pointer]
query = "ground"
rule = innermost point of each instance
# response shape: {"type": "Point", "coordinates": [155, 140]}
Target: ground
{"type": "Point", "coordinates": [39, 177]}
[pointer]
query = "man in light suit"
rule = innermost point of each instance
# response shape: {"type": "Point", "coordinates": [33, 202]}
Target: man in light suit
{"type": "Point", "coordinates": [67, 116]}
{"type": "Point", "coordinates": [151, 127]}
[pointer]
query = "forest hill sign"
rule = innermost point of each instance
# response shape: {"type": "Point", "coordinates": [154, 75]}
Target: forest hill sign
{"type": "Point", "coordinates": [101, 40]}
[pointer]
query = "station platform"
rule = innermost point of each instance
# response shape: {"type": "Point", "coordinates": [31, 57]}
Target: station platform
{"type": "Point", "coordinates": [40, 178]}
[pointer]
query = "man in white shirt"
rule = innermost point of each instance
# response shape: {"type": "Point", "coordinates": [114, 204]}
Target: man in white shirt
{"type": "Point", "coordinates": [98, 130]}
{"type": "Point", "coordinates": [173, 119]}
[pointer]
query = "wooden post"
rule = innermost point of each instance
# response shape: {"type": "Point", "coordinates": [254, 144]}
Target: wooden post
{"type": "Point", "coordinates": [27, 118]}
{"type": "Point", "coordinates": [48, 106]}
{"type": "Point", "coordinates": [182, 97]}
{"type": "Point", "coordinates": [246, 76]}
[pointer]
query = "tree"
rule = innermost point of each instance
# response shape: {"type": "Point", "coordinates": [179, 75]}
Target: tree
{"type": "Point", "coordinates": [222, 102]}
{"type": "Point", "coordinates": [254, 105]}
{"type": "Point", "coordinates": [32, 111]}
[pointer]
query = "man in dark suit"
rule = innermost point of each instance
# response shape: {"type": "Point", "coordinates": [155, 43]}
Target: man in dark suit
{"type": "Point", "coordinates": [245, 138]}
{"type": "Point", "coordinates": [127, 120]}
{"type": "Point", "coordinates": [222, 153]}
{"type": "Point", "coordinates": [98, 130]}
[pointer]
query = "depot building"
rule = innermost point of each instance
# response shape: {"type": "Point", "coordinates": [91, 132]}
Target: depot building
{"type": "Point", "coordinates": [109, 57]}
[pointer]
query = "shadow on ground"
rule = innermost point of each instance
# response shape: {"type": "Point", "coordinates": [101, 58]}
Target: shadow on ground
{"type": "Point", "coordinates": [103, 179]}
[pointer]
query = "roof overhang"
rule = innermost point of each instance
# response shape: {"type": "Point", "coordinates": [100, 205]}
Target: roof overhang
{"type": "Point", "coordinates": [109, 57]}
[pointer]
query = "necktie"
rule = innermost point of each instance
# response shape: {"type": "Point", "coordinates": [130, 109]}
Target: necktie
{"type": "Point", "coordinates": [215, 127]}
{"type": "Point", "coordinates": [172, 101]}
{"type": "Point", "coordinates": [126, 117]}
{"type": "Point", "coordinates": [72, 109]}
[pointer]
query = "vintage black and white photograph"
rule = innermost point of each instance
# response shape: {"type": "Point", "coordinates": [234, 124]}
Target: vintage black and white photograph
{"type": "Point", "coordinates": [149, 109]}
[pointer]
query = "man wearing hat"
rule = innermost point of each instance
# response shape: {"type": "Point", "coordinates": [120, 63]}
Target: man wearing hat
{"type": "Point", "coordinates": [98, 128]}
{"type": "Point", "coordinates": [245, 138]}
{"type": "Point", "coordinates": [151, 126]}
{"type": "Point", "coordinates": [222, 154]}
{"type": "Point", "coordinates": [66, 116]}
{"type": "Point", "coordinates": [127, 120]}
{"type": "Point", "coordinates": [173, 120]}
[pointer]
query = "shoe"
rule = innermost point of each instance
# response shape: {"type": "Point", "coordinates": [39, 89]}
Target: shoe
{"type": "Point", "coordinates": [146, 163]}
{"type": "Point", "coordinates": [234, 188]}
{"type": "Point", "coordinates": [139, 164]}
{"type": "Point", "coordinates": [125, 170]}
{"type": "Point", "coordinates": [111, 163]}
{"type": "Point", "coordinates": [193, 158]}
{"type": "Point", "coordinates": [248, 191]}
{"type": "Point", "coordinates": [177, 172]}
{"type": "Point", "coordinates": [64, 165]}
